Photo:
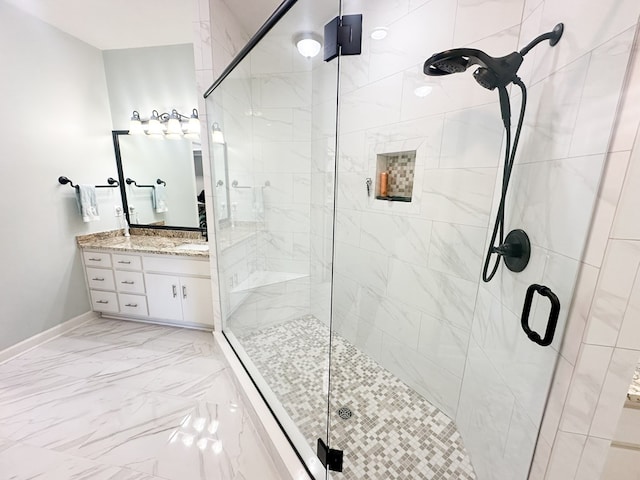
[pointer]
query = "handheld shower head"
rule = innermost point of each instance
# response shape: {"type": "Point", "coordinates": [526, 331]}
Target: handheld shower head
{"type": "Point", "coordinates": [494, 73]}
{"type": "Point", "coordinates": [491, 73]}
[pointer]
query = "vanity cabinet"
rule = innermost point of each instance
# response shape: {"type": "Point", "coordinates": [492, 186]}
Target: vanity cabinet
{"type": "Point", "coordinates": [181, 299]}
{"type": "Point", "coordinates": [166, 288]}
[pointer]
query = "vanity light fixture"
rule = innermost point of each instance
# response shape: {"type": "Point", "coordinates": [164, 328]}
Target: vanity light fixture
{"type": "Point", "coordinates": [308, 44]}
{"type": "Point", "coordinates": [216, 133]}
{"type": "Point", "coordinates": [171, 125]}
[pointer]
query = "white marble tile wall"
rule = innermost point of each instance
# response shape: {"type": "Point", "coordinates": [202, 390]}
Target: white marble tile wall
{"type": "Point", "coordinates": [602, 342]}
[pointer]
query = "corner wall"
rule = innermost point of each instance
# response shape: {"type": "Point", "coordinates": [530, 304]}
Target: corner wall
{"type": "Point", "coordinates": [56, 122]}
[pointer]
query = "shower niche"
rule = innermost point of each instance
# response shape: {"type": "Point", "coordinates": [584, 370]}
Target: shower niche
{"type": "Point", "coordinates": [395, 174]}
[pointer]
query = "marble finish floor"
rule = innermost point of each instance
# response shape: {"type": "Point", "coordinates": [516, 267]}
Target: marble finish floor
{"type": "Point", "coordinates": [393, 434]}
{"type": "Point", "coordinates": [118, 400]}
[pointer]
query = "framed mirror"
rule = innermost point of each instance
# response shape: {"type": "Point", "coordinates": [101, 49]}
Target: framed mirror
{"type": "Point", "coordinates": [161, 181]}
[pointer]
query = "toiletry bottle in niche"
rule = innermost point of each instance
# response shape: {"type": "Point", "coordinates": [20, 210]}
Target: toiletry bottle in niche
{"type": "Point", "coordinates": [384, 184]}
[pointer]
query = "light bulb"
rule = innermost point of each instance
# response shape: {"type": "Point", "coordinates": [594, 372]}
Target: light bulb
{"type": "Point", "coordinates": [216, 134]}
{"type": "Point", "coordinates": [193, 127]}
{"type": "Point", "coordinates": [135, 125]}
{"type": "Point", "coordinates": [173, 125]}
{"type": "Point", "coordinates": [155, 127]}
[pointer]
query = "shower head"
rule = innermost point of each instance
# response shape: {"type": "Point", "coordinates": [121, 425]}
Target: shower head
{"type": "Point", "coordinates": [492, 72]}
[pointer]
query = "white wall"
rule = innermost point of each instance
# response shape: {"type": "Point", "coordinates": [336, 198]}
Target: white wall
{"type": "Point", "coordinates": [56, 122]}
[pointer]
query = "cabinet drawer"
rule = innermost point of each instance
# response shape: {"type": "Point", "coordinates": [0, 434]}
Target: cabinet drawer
{"type": "Point", "coordinates": [97, 259]}
{"type": "Point", "coordinates": [100, 278]}
{"type": "Point", "coordinates": [167, 264]}
{"type": "Point", "coordinates": [129, 282]}
{"type": "Point", "coordinates": [127, 262]}
{"type": "Point", "coordinates": [133, 304]}
{"type": "Point", "coordinates": [104, 301]}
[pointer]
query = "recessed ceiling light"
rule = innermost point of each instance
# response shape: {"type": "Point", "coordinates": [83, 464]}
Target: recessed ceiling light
{"type": "Point", "coordinates": [379, 33]}
{"type": "Point", "coordinates": [423, 91]}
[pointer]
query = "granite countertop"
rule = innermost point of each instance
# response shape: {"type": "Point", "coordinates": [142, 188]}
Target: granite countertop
{"type": "Point", "coordinates": [171, 244]}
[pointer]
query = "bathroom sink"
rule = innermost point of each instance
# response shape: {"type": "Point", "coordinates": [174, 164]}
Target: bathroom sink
{"type": "Point", "coordinates": [197, 247]}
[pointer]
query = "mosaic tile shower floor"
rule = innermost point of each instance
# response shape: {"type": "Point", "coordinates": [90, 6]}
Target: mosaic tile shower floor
{"type": "Point", "coordinates": [393, 434]}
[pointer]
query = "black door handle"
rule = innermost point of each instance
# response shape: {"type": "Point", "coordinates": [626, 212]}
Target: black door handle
{"type": "Point", "coordinates": [553, 315]}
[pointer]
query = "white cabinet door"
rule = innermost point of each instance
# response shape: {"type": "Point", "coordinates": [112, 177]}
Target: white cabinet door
{"type": "Point", "coordinates": [164, 296]}
{"type": "Point", "coordinates": [196, 300]}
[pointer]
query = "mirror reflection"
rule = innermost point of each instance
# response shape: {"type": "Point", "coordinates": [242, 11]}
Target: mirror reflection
{"type": "Point", "coordinates": [221, 181]}
{"type": "Point", "coordinates": [164, 183]}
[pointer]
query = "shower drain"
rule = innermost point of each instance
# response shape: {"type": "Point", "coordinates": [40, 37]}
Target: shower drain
{"type": "Point", "coordinates": [345, 413]}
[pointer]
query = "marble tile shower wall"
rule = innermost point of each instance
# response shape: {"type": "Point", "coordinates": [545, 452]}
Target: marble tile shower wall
{"type": "Point", "coordinates": [268, 130]}
{"type": "Point", "coordinates": [407, 276]}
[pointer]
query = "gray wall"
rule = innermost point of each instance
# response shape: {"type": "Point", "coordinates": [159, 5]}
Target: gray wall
{"type": "Point", "coordinates": [145, 79]}
{"type": "Point", "coordinates": [55, 121]}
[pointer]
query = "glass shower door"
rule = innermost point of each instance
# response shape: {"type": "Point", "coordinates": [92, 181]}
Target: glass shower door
{"type": "Point", "coordinates": [432, 374]}
{"type": "Point", "coordinates": [274, 133]}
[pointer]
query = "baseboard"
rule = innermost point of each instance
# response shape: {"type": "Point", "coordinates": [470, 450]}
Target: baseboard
{"type": "Point", "coordinates": [42, 337]}
{"type": "Point", "coordinates": [285, 459]}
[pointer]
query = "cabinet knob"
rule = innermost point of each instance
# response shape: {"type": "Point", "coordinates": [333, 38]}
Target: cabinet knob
{"type": "Point", "coordinates": [134, 305]}
{"type": "Point", "coordinates": [95, 259]}
{"type": "Point", "coordinates": [125, 263]}
{"type": "Point", "coordinates": [128, 282]}
{"type": "Point", "coordinates": [184, 292]}
{"type": "Point", "coordinates": [102, 301]}
{"type": "Point", "coordinates": [175, 291]}
{"type": "Point", "coordinates": [98, 279]}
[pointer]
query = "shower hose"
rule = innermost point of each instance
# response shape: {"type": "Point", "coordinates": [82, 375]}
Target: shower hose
{"type": "Point", "coordinates": [509, 157]}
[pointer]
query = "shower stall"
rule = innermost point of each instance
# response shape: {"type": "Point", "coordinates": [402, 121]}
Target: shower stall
{"type": "Point", "coordinates": [354, 201]}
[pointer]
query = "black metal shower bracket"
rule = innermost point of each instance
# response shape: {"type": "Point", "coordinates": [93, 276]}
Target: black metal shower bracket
{"type": "Point", "coordinates": [330, 458]}
{"type": "Point", "coordinates": [553, 315]}
{"type": "Point", "coordinates": [343, 36]}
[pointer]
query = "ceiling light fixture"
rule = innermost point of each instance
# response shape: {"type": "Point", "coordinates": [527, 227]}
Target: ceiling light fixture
{"type": "Point", "coordinates": [171, 125]}
{"type": "Point", "coordinates": [308, 44]}
{"type": "Point", "coordinates": [379, 33]}
{"type": "Point", "coordinates": [216, 133]}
